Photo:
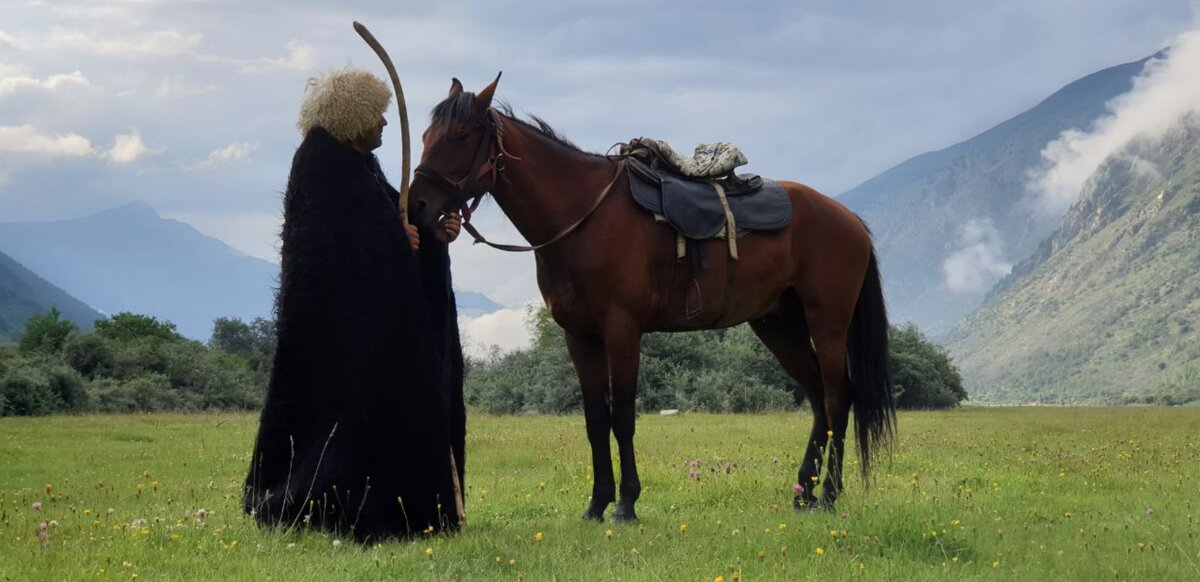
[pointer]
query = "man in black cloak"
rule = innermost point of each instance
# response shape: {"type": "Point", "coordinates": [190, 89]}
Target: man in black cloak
{"type": "Point", "coordinates": [364, 416]}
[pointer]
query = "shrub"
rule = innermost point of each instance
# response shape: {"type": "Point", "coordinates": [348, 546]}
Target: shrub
{"type": "Point", "coordinates": [922, 374]}
{"type": "Point", "coordinates": [46, 332]}
{"type": "Point", "coordinates": [125, 327]}
{"type": "Point", "coordinates": [90, 355]}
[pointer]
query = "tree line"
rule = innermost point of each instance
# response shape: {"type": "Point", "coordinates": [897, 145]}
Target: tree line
{"type": "Point", "coordinates": [134, 363]}
{"type": "Point", "coordinates": [137, 363]}
{"type": "Point", "coordinates": [725, 370]}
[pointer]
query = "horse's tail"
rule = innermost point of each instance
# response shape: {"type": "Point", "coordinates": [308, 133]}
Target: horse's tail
{"type": "Point", "coordinates": [870, 376]}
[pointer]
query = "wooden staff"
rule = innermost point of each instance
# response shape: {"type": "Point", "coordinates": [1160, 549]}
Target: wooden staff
{"type": "Point", "coordinates": [401, 108]}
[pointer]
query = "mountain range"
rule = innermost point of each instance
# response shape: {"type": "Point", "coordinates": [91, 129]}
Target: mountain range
{"type": "Point", "coordinates": [1107, 309]}
{"type": "Point", "coordinates": [948, 224]}
{"type": "Point", "coordinates": [23, 293]}
{"type": "Point", "coordinates": [131, 259]}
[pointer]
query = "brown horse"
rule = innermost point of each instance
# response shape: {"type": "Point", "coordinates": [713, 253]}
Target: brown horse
{"type": "Point", "coordinates": [609, 273]}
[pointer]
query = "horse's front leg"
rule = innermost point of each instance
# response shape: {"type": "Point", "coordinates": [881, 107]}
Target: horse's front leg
{"type": "Point", "coordinates": [592, 368]}
{"type": "Point", "coordinates": [623, 343]}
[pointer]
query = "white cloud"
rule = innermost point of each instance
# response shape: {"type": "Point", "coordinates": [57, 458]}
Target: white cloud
{"type": "Point", "coordinates": [25, 145]}
{"type": "Point", "coordinates": [1165, 92]}
{"type": "Point", "coordinates": [155, 45]}
{"type": "Point", "coordinates": [13, 83]}
{"type": "Point", "coordinates": [505, 329]}
{"type": "Point", "coordinates": [128, 148]}
{"type": "Point", "coordinates": [27, 140]}
{"type": "Point", "coordinates": [7, 41]}
{"type": "Point", "coordinates": [301, 57]}
{"type": "Point", "coordinates": [178, 87]}
{"type": "Point", "coordinates": [237, 152]}
{"type": "Point", "coordinates": [508, 278]}
{"type": "Point", "coordinates": [90, 13]}
{"type": "Point", "coordinates": [979, 260]}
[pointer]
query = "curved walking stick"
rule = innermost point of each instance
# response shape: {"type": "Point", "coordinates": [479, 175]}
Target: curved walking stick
{"type": "Point", "coordinates": [401, 108]}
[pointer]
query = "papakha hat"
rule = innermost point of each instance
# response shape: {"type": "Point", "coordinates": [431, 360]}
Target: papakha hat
{"type": "Point", "coordinates": [346, 102]}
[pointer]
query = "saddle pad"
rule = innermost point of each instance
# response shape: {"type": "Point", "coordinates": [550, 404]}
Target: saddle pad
{"type": "Point", "coordinates": [695, 211]}
{"type": "Point", "coordinates": [710, 160]}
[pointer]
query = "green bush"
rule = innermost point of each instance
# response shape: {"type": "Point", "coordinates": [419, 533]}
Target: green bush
{"type": "Point", "coordinates": [922, 373]}
{"type": "Point", "coordinates": [46, 332]}
{"type": "Point", "coordinates": [125, 326]}
{"type": "Point", "coordinates": [148, 393]}
{"type": "Point", "coordinates": [28, 391]}
{"type": "Point", "coordinates": [90, 355]}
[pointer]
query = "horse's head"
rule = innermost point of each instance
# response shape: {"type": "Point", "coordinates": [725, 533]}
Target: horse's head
{"type": "Point", "coordinates": [460, 153]}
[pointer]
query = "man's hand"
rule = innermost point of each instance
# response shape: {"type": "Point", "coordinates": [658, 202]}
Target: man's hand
{"type": "Point", "coordinates": [414, 236]}
{"type": "Point", "coordinates": [451, 226]}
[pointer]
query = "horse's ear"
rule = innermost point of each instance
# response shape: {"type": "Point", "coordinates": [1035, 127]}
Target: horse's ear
{"type": "Point", "coordinates": [483, 99]}
{"type": "Point", "coordinates": [456, 88]}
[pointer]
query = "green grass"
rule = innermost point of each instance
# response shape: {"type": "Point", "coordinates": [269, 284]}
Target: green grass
{"type": "Point", "coordinates": [1004, 493]}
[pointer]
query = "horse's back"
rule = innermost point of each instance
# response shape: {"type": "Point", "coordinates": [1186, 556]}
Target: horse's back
{"type": "Point", "coordinates": [831, 246]}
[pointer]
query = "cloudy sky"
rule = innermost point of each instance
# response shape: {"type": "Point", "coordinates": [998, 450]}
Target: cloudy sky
{"type": "Point", "coordinates": [190, 105]}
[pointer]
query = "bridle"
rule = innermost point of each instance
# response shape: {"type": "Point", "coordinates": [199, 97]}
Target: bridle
{"type": "Point", "coordinates": [489, 159]}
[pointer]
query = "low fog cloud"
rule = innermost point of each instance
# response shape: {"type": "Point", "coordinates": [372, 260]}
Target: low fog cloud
{"type": "Point", "coordinates": [505, 330]}
{"type": "Point", "coordinates": [979, 260]}
{"type": "Point", "coordinates": [1166, 91]}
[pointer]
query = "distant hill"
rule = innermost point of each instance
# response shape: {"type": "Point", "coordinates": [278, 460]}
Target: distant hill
{"type": "Point", "coordinates": [23, 293]}
{"type": "Point", "coordinates": [1108, 309]}
{"type": "Point", "coordinates": [928, 208]}
{"type": "Point", "coordinates": [130, 259]}
{"type": "Point", "coordinates": [472, 304]}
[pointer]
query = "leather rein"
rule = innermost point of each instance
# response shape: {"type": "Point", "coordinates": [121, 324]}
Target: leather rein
{"type": "Point", "coordinates": [489, 160]}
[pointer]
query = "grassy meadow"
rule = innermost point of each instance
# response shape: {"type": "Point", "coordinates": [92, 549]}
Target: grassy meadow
{"type": "Point", "coordinates": [977, 493]}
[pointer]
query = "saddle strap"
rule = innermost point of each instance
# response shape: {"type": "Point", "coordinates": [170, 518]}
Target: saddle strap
{"type": "Point", "coordinates": [730, 225]}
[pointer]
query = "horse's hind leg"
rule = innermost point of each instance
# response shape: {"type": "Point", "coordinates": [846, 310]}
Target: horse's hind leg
{"type": "Point", "coordinates": [786, 335]}
{"type": "Point", "coordinates": [592, 367]}
{"type": "Point", "coordinates": [828, 328]}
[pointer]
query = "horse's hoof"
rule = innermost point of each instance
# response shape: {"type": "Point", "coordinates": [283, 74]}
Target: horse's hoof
{"type": "Point", "coordinates": [825, 504]}
{"type": "Point", "coordinates": [624, 516]}
{"type": "Point", "coordinates": [595, 512]}
{"type": "Point", "coordinates": [805, 503]}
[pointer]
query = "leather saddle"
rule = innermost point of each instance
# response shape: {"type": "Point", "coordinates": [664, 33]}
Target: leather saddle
{"type": "Point", "coordinates": [704, 208]}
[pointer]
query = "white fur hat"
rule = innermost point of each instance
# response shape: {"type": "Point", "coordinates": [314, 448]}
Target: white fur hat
{"type": "Point", "coordinates": [346, 102]}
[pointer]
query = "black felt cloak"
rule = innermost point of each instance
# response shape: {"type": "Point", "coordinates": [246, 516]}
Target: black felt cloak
{"type": "Point", "coordinates": [364, 405]}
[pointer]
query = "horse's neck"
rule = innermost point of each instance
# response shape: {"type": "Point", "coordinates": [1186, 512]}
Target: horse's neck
{"type": "Point", "coordinates": [550, 187]}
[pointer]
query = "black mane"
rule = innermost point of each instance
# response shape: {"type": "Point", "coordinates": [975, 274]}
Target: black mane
{"type": "Point", "coordinates": [461, 109]}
